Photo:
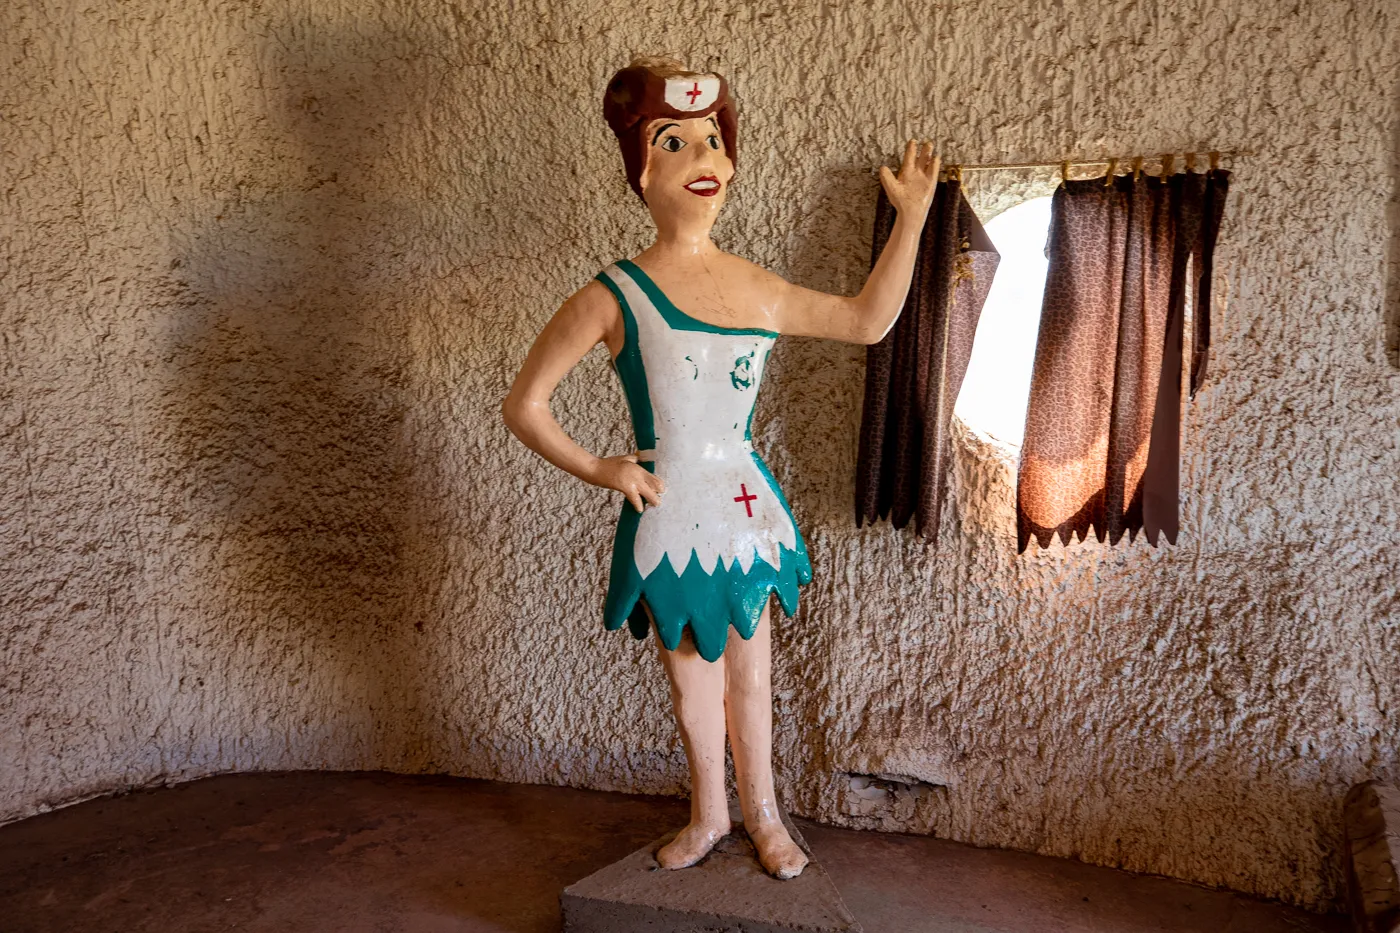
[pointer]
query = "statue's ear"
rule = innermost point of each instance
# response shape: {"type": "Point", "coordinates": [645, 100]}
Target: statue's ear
{"type": "Point", "coordinates": [645, 172]}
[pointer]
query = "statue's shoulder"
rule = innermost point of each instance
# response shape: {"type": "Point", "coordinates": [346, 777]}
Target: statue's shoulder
{"type": "Point", "coordinates": [751, 274]}
{"type": "Point", "coordinates": [593, 299]}
{"type": "Point", "coordinates": [603, 270]}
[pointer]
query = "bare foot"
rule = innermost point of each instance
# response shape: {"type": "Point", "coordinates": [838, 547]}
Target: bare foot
{"type": "Point", "coordinates": [780, 856]}
{"type": "Point", "coordinates": [691, 845]}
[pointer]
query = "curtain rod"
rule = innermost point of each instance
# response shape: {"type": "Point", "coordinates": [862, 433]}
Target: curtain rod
{"type": "Point", "coordinates": [1065, 164]}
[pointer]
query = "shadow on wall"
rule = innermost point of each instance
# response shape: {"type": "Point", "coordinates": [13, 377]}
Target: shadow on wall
{"type": "Point", "coordinates": [287, 357]}
{"type": "Point", "coordinates": [1392, 278]}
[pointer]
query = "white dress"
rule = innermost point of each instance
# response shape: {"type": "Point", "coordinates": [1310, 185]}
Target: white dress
{"type": "Point", "coordinates": [723, 537]}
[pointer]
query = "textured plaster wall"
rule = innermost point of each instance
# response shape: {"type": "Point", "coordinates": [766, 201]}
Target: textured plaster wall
{"type": "Point", "coordinates": [268, 269]}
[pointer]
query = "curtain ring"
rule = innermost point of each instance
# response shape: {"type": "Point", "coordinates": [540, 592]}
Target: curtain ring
{"type": "Point", "coordinates": [1190, 161]}
{"type": "Point", "coordinates": [1137, 167]}
{"type": "Point", "coordinates": [1112, 167]}
{"type": "Point", "coordinates": [1168, 165]}
{"type": "Point", "coordinates": [1214, 160]}
{"type": "Point", "coordinates": [1064, 170]}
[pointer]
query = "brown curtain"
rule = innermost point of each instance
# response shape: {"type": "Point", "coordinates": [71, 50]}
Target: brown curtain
{"type": "Point", "coordinates": [913, 375]}
{"type": "Point", "coordinates": [1103, 423]}
{"type": "Point", "coordinates": [1217, 185]}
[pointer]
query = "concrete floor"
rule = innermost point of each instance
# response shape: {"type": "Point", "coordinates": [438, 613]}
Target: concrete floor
{"type": "Point", "coordinates": [368, 851]}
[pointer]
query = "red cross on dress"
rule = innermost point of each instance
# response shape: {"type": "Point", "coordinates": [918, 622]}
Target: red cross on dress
{"type": "Point", "coordinates": [746, 498]}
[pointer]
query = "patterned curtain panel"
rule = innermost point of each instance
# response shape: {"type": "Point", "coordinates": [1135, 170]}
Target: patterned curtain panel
{"type": "Point", "coordinates": [1103, 424]}
{"type": "Point", "coordinates": [912, 377]}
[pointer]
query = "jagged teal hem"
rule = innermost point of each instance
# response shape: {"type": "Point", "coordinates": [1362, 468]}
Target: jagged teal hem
{"type": "Point", "coordinates": [709, 603]}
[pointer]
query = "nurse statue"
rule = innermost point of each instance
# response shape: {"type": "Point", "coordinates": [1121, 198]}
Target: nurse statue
{"type": "Point", "coordinates": [705, 534]}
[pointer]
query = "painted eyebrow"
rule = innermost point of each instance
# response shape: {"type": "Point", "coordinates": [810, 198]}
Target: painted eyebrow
{"type": "Point", "coordinates": [711, 118]}
{"type": "Point", "coordinates": [660, 130]}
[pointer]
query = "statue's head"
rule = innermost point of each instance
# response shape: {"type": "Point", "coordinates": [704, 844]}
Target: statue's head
{"type": "Point", "coordinates": [678, 131]}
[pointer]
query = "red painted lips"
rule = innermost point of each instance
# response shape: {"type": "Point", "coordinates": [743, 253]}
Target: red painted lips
{"type": "Point", "coordinates": [707, 186]}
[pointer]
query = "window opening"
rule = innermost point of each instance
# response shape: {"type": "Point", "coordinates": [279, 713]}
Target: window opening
{"type": "Point", "coordinates": [997, 386]}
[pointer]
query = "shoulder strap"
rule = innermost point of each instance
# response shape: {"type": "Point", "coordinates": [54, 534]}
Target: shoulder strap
{"type": "Point", "coordinates": [631, 296]}
{"type": "Point", "coordinates": [631, 368]}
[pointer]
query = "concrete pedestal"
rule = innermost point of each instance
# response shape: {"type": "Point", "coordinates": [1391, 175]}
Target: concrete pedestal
{"type": "Point", "coordinates": [726, 891]}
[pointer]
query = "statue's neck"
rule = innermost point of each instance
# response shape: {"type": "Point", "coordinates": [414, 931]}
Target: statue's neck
{"type": "Point", "coordinates": [684, 240]}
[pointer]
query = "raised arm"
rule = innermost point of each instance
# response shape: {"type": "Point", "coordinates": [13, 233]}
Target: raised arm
{"type": "Point", "coordinates": [867, 317]}
{"type": "Point", "coordinates": [589, 317]}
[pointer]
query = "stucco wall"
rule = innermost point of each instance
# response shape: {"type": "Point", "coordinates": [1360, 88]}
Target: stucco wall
{"type": "Point", "coordinates": [268, 269]}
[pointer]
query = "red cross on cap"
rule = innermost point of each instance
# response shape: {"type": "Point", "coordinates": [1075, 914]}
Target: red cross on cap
{"type": "Point", "coordinates": [692, 93]}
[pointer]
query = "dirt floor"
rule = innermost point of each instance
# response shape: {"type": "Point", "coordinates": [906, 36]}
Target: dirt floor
{"type": "Point", "coordinates": [369, 851]}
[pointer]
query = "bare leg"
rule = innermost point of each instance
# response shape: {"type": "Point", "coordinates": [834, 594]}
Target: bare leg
{"type": "Point", "coordinates": [697, 692]}
{"type": "Point", "coordinates": [749, 704]}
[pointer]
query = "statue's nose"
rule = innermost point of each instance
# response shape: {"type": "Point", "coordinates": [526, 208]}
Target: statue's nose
{"type": "Point", "coordinates": [707, 164]}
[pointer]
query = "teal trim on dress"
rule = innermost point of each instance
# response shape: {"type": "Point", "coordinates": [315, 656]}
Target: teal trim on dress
{"type": "Point", "coordinates": [675, 317]}
{"type": "Point", "coordinates": [707, 603]}
{"type": "Point", "coordinates": [632, 374]}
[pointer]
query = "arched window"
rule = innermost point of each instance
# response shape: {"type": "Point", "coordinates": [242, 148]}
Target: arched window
{"type": "Point", "coordinates": [994, 393]}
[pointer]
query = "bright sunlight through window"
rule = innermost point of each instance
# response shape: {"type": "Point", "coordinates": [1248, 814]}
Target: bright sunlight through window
{"type": "Point", "coordinates": [998, 383]}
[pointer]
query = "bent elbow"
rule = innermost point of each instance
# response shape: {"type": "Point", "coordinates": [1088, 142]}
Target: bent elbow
{"type": "Point", "coordinates": [872, 335]}
{"type": "Point", "coordinates": [869, 325]}
{"type": "Point", "coordinates": [511, 413]}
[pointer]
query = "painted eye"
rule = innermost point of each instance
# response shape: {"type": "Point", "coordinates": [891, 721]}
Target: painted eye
{"type": "Point", "coordinates": [713, 140]}
{"type": "Point", "coordinates": [673, 144]}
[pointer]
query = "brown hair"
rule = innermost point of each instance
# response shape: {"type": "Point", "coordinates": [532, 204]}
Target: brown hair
{"type": "Point", "coordinates": [636, 95]}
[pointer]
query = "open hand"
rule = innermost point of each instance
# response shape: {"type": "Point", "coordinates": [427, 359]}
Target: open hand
{"type": "Point", "coordinates": [635, 482]}
{"type": "Point", "coordinates": [912, 190]}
